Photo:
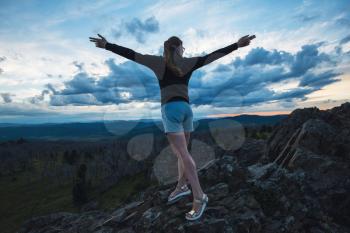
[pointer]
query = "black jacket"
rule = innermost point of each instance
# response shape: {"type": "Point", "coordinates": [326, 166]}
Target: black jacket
{"type": "Point", "coordinates": [172, 87]}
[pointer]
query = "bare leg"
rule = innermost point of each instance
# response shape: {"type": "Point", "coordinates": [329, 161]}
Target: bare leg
{"type": "Point", "coordinates": [181, 174]}
{"type": "Point", "coordinates": [178, 142]}
{"type": "Point", "coordinates": [182, 178]}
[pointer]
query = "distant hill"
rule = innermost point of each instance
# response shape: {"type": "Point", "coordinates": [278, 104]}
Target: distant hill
{"type": "Point", "coordinates": [247, 120]}
{"type": "Point", "coordinates": [8, 124]}
{"type": "Point", "coordinates": [106, 129]}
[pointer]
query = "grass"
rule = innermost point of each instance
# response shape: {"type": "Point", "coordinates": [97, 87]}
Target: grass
{"type": "Point", "coordinates": [20, 200]}
{"type": "Point", "coordinates": [260, 135]}
{"type": "Point", "coordinates": [130, 185]}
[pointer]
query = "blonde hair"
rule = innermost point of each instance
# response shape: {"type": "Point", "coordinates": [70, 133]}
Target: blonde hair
{"type": "Point", "coordinates": [170, 46]}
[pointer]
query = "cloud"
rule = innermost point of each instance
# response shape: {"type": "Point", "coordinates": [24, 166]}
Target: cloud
{"type": "Point", "coordinates": [252, 75]}
{"type": "Point", "coordinates": [137, 28]}
{"type": "Point", "coordinates": [51, 88]}
{"type": "Point", "coordinates": [77, 99]}
{"type": "Point", "coordinates": [126, 82]}
{"type": "Point", "coordinates": [243, 82]}
{"type": "Point", "coordinates": [6, 97]}
{"type": "Point", "coordinates": [345, 40]}
{"type": "Point", "coordinates": [249, 79]}
{"type": "Point", "coordinates": [20, 110]}
{"type": "Point", "coordinates": [343, 21]}
{"type": "Point", "coordinates": [38, 98]}
{"type": "Point", "coordinates": [308, 58]}
{"type": "Point", "coordinates": [78, 65]}
{"type": "Point", "coordinates": [3, 58]}
{"type": "Point", "coordinates": [306, 18]}
{"type": "Point", "coordinates": [262, 56]}
{"type": "Point", "coordinates": [222, 68]}
{"type": "Point", "coordinates": [339, 48]}
{"type": "Point", "coordinates": [319, 80]}
{"type": "Point", "coordinates": [81, 84]}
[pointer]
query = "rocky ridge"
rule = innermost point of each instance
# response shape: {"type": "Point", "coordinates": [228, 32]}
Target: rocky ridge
{"type": "Point", "coordinates": [299, 182]}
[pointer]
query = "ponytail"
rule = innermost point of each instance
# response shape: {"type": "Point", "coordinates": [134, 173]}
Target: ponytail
{"type": "Point", "coordinates": [169, 52]}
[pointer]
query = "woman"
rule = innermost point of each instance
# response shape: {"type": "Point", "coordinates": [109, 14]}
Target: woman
{"type": "Point", "coordinates": [173, 72]}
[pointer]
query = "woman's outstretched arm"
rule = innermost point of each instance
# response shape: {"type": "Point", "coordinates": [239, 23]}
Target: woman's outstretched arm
{"type": "Point", "coordinates": [121, 50]}
{"type": "Point", "coordinates": [143, 59]}
{"type": "Point", "coordinates": [209, 58]}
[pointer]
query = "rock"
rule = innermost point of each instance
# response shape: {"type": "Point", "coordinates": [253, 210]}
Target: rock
{"type": "Point", "coordinates": [262, 171]}
{"type": "Point", "coordinates": [250, 152]}
{"type": "Point", "coordinates": [314, 146]}
{"type": "Point", "coordinates": [151, 215]}
{"type": "Point", "coordinates": [117, 216]}
{"type": "Point", "coordinates": [218, 191]}
{"type": "Point", "coordinates": [206, 225]}
{"type": "Point", "coordinates": [321, 132]}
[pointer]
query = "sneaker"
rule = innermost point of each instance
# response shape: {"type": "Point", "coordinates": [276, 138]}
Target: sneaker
{"type": "Point", "coordinates": [193, 215]}
{"type": "Point", "coordinates": [180, 193]}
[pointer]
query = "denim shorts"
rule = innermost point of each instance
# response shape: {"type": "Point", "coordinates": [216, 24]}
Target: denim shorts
{"type": "Point", "coordinates": [177, 116]}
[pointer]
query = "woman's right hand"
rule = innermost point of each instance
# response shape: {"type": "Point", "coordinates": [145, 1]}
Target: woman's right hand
{"type": "Point", "coordinates": [99, 42]}
{"type": "Point", "coordinates": [245, 40]}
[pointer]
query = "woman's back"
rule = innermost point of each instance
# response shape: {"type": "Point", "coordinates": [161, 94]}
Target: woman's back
{"type": "Point", "coordinates": [172, 87]}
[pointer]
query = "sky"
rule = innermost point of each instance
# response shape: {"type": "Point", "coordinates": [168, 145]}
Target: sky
{"type": "Point", "coordinates": [51, 72]}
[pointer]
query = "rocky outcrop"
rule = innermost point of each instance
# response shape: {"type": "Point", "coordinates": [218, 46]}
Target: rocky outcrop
{"type": "Point", "coordinates": [308, 192]}
{"type": "Point", "coordinates": [322, 132]}
{"type": "Point", "coordinates": [317, 143]}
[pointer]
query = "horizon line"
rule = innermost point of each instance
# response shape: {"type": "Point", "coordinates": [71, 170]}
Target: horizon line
{"type": "Point", "coordinates": [271, 113]}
